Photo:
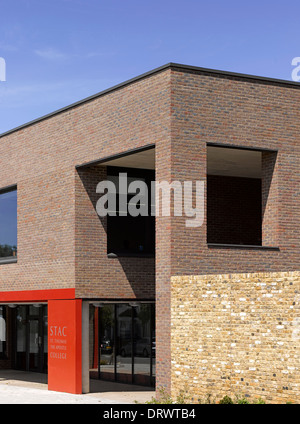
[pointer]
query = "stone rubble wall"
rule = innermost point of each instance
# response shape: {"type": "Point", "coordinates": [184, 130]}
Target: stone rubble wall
{"type": "Point", "coordinates": [236, 334]}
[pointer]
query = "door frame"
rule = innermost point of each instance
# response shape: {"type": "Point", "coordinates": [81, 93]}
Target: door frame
{"type": "Point", "coordinates": [41, 368]}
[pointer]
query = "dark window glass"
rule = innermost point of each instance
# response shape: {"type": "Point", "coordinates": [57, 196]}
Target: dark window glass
{"type": "Point", "coordinates": [124, 343]}
{"type": "Point", "coordinates": [45, 336]}
{"type": "Point", "coordinates": [31, 334]}
{"type": "Point", "coordinates": [8, 224]}
{"type": "Point", "coordinates": [128, 234]}
{"type": "Point", "coordinates": [2, 331]}
{"type": "Point", "coordinates": [21, 322]}
{"type": "Point", "coordinates": [107, 341]}
{"type": "Point", "coordinates": [153, 343]}
{"type": "Point", "coordinates": [142, 343]}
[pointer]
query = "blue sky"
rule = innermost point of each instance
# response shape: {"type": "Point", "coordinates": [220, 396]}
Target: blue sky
{"type": "Point", "coordinates": [60, 51]}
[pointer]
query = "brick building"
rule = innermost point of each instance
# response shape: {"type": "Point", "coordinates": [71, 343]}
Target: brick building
{"type": "Point", "coordinates": [150, 300]}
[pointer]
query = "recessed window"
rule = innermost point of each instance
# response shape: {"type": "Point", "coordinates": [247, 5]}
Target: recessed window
{"type": "Point", "coordinates": [8, 224]}
{"type": "Point", "coordinates": [128, 234]}
{"type": "Point", "coordinates": [234, 196]}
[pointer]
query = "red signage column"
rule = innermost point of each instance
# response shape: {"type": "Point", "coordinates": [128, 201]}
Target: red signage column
{"type": "Point", "coordinates": [64, 346]}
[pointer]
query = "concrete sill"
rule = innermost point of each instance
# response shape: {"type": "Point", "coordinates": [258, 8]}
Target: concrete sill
{"type": "Point", "coordinates": [8, 260]}
{"type": "Point", "coordinates": [240, 246]}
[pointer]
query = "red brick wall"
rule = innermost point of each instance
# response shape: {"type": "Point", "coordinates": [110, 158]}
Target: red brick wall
{"type": "Point", "coordinates": [207, 108]}
{"type": "Point", "coordinates": [271, 198]}
{"type": "Point", "coordinates": [233, 210]}
{"type": "Point", "coordinates": [41, 160]}
{"type": "Point", "coordinates": [96, 274]}
{"type": "Point", "coordinates": [163, 161]}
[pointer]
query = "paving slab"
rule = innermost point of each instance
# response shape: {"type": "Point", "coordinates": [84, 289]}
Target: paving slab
{"type": "Point", "coordinates": [10, 394]}
{"type": "Point", "coordinates": [18, 387]}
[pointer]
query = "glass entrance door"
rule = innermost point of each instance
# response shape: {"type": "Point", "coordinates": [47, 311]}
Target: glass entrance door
{"type": "Point", "coordinates": [20, 337]}
{"type": "Point", "coordinates": [30, 335]}
{"type": "Point", "coordinates": [34, 347]}
{"type": "Point", "coordinates": [123, 346]}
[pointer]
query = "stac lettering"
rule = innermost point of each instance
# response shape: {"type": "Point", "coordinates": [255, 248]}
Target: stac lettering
{"type": "Point", "coordinates": [58, 331]}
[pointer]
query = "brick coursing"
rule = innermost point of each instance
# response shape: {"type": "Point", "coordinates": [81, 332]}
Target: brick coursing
{"type": "Point", "coordinates": [97, 276]}
{"type": "Point", "coordinates": [209, 109]}
{"type": "Point", "coordinates": [41, 160]}
{"type": "Point", "coordinates": [270, 198]}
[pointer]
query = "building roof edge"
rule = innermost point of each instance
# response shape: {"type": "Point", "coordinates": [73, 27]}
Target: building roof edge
{"type": "Point", "coordinates": [170, 65]}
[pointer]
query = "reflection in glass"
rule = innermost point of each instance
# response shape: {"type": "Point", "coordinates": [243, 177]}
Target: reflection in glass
{"type": "Point", "coordinates": [8, 224]}
{"type": "Point", "coordinates": [106, 342]}
{"type": "Point", "coordinates": [34, 310]}
{"type": "Point", "coordinates": [33, 344]}
{"type": "Point", "coordinates": [127, 233]}
{"type": "Point", "coordinates": [93, 338]}
{"type": "Point", "coordinates": [45, 336]}
{"type": "Point", "coordinates": [142, 342]}
{"type": "Point", "coordinates": [124, 343]}
{"type": "Point", "coordinates": [2, 330]}
{"type": "Point", "coordinates": [153, 345]}
{"type": "Point", "coordinates": [21, 337]}
{"type": "Point", "coordinates": [31, 337]}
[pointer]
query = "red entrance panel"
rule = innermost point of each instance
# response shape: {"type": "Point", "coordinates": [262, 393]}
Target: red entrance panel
{"type": "Point", "coordinates": [64, 346]}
